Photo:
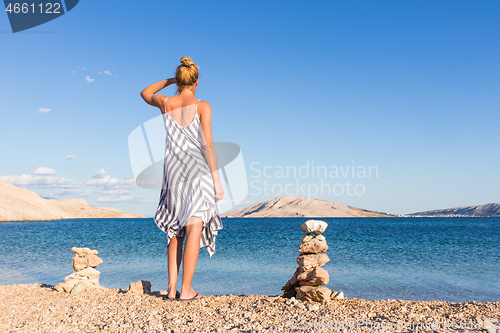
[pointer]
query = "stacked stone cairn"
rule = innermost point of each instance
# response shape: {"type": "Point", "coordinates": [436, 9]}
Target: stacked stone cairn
{"type": "Point", "coordinates": [85, 262]}
{"type": "Point", "coordinates": [307, 283]}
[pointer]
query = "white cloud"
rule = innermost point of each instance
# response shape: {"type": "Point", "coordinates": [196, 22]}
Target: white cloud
{"type": "Point", "coordinates": [42, 110]}
{"type": "Point", "coordinates": [109, 182]}
{"type": "Point", "coordinates": [70, 157]}
{"type": "Point", "coordinates": [40, 181]}
{"type": "Point", "coordinates": [86, 193]}
{"type": "Point", "coordinates": [117, 191]}
{"type": "Point", "coordinates": [67, 191]}
{"type": "Point", "coordinates": [82, 68]}
{"type": "Point", "coordinates": [107, 72]}
{"type": "Point", "coordinates": [73, 192]}
{"type": "Point", "coordinates": [99, 174]}
{"type": "Point", "coordinates": [44, 171]}
{"type": "Point", "coordinates": [88, 79]}
{"type": "Point", "coordinates": [73, 72]}
{"type": "Point", "coordinates": [99, 72]}
{"type": "Point", "coordinates": [107, 189]}
{"type": "Point", "coordinates": [115, 198]}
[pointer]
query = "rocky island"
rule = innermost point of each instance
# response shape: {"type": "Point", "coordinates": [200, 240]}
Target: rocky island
{"type": "Point", "coordinates": [293, 206]}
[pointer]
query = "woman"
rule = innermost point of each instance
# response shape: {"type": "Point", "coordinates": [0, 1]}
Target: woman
{"type": "Point", "coordinates": [191, 184]}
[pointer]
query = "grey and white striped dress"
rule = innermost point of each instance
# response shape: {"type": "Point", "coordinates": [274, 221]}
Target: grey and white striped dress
{"type": "Point", "coordinates": [188, 188]}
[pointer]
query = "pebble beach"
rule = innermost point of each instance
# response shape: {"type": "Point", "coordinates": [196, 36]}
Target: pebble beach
{"type": "Point", "coordinates": [40, 308]}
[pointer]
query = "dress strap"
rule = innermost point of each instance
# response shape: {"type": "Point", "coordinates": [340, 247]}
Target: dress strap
{"type": "Point", "coordinates": [196, 109]}
{"type": "Point", "coordinates": [165, 104]}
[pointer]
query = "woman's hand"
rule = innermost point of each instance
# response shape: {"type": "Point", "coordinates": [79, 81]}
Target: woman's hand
{"type": "Point", "coordinates": [219, 192]}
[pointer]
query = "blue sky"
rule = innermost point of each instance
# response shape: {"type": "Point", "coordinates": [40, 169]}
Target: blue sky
{"type": "Point", "coordinates": [408, 87]}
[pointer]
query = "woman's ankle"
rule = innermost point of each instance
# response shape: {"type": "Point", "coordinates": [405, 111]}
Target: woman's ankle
{"type": "Point", "coordinates": [187, 291]}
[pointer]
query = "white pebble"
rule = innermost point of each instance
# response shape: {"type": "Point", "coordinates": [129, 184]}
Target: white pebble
{"type": "Point", "coordinates": [313, 307]}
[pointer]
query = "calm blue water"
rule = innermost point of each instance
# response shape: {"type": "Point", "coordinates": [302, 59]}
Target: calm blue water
{"type": "Point", "coordinates": [450, 259]}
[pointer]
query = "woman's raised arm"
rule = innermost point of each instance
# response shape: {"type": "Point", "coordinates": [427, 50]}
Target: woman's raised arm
{"type": "Point", "coordinates": [149, 93]}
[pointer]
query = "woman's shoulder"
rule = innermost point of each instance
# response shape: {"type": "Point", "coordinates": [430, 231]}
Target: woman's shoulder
{"type": "Point", "coordinates": [204, 107]}
{"type": "Point", "coordinates": [204, 110]}
{"type": "Point", "coordinates": [203, 104]}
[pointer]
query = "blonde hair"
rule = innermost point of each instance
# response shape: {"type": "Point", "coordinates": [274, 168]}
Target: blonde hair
{"type": "Point", "coordinates": [186, 74]}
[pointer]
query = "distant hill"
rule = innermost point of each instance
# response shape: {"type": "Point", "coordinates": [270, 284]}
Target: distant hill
{"type": "Point", "coordinates": [20, 204]}
{"type": "Point", "coordinates": [292, 206]}
{"type": "Point", "coordinates": [492, 209]}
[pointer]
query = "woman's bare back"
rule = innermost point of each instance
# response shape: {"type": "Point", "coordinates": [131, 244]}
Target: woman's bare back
{"type": "Point", "coordinates": [181, 109]}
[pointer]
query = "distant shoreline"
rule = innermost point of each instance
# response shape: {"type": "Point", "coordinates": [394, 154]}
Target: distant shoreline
{"type": "Point", "coordinates": [252, 217]}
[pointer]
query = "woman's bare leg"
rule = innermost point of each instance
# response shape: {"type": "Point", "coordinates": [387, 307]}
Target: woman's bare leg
{"type": "Point", "coordinates": [193, 230]}
{"type": "Point", "coordinates": [174, 264]}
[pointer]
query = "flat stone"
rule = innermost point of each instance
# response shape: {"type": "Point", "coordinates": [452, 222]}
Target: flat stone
{"type": "Point", "coordinates": [76, 250]}
{"type": "Point", "coordinates": [87, 281]}
{"type": "Point", "coordinates": [336, 294]}
{"type": "Point", "coordinates": [89, 273]}
{"type": "Point", "coordinates": [66, 286]}
{"type": "Point", "coordinates": [317, 277]}
{"type": "Point", "coordinates": [140, 287]}
{"type": "Point", "coordinates": [79, 288]}
{"type": "Point", "coordinates": [306, 238]}
{"type": "Point", "coordinates": [59, 287]}
{"type": "Point", "coordinates": [313, 245]}
{"type": "Point", "coordinates": [320, 237]}
{"type": "Point", "coordinates": [79, 262]}
{"type": "Point", "coordinates": [93, 260]}
{"type": "Point", "coordinates": [84, 250]}
{"type": "Point", "coordinates": [310, 261]}
{"type": "Point", "coordinates": [317, 227]}
{"type": "Point", "coordinates": [313, 294]}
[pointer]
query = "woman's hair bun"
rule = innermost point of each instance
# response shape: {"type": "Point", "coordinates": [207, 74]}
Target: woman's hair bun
{"type": "Point", "coordinates": [186, 73]}
{"type": "Point", "coordinates": [186, 61]}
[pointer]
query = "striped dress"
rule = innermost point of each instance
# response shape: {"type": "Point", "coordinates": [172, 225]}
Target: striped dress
{"type": "Point", "coordinates": [188, 188]}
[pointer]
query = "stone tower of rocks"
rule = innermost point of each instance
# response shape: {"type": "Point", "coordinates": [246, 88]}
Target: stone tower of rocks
{"type": "Point", "coordinates": [85, 262]}
{"type": "Point", "coordinates": [309, 280]}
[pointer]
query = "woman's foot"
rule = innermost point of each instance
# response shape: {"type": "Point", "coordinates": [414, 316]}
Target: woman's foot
{"type": "Point", "coordinates": [189, 294]}
{"type": "Point", "coordinates": [171, 293]}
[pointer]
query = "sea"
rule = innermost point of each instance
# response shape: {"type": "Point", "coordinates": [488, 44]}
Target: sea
{"type": "Point", "coordinates": [420, 258]}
